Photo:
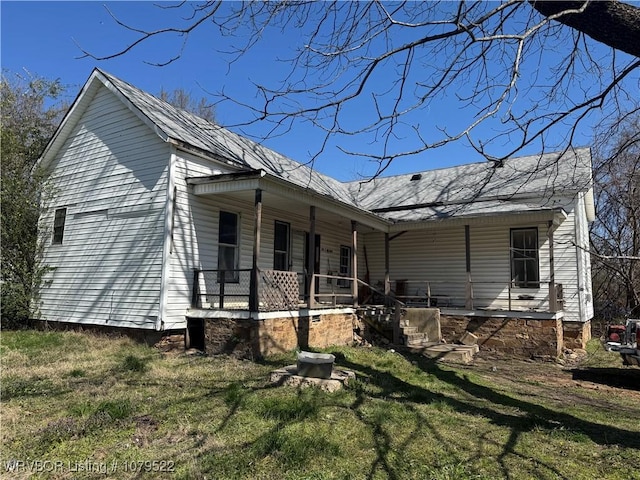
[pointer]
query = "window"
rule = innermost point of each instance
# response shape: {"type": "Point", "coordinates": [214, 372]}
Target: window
{"type": "Point", "coordinates": [228, 247]}
{"type": "Point", "coordinates": [345, 265]}
{"type": "Point", "coordinates": [281, 245]}
{"type": "Point", "coordinates": [524, 258]}
{"type": "Point", "coordinates": [58, 226]}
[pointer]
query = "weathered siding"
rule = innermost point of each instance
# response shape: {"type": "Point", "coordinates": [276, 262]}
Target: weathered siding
{"type": "Point", "coordinates": [195, 237]}
{"type": "Point", "coordinates": [491, 268]}
{"type": "Point", "coordinates": [111, 175]}
{"type": "Point", "coordinates": [566, 266]}
{"type": "Point", "coordinates": [436, 256]}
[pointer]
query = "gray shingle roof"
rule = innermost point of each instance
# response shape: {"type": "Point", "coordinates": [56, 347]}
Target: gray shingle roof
{"type": "Point", "coordinates": [525, 183]}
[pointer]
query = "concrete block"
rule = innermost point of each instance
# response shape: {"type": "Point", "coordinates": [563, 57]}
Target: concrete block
{"type": "Point", "coordinates": [426, 320]}
{"type": "Point", "coordinates": [469, 339]}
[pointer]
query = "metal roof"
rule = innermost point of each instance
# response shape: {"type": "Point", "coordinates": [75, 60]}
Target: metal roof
{"type": "Point", "coordinates": [519, 184]}
{"type": "Point", "coordinates": [531, 183]}
{"type": "Point", "coordinates": [190, 130]}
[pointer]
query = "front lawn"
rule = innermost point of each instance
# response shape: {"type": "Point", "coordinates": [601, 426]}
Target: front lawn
{"type": "Point", "coordinates": [87, 406]}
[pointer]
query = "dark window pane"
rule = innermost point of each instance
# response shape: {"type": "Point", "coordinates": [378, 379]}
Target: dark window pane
{"type": "Point", "coordinates": [280, 261]}
{"type": "Point", "coordinates": [58, 225]}
{"type": "Point", "coordinates": [228, 229]}
{"type": "Point", "coordinates": [525, 270]}
{"type": "Point", "coordinates": [281, 236]}
{"type": "Point", "coordinates": [281, 246]}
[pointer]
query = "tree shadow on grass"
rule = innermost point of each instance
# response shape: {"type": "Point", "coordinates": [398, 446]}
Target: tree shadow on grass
{"type": "Point", "coordinates": [285, 441]}
{"type": "Point", "coordinates": [623, 377]}
{"type": "Point", "coordinates": [527, 416]}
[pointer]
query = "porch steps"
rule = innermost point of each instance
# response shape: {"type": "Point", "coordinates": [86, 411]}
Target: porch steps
{"type": "Point", "coordinates": [420, 334]}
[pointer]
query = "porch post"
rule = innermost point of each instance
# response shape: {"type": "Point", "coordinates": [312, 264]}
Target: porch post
{"type": "Point", "coordinates": [553, 297]}
{"type": "Point", "coordinates": [387, 283]}
{"type": "Point", "coordinates": [354, 262]}
{"type": "Point", "coordinates": [254, 301]}
{"type": "Point", "coordinates": [468, 303]}
{"type": "Point", "coordinates": [311, 257]}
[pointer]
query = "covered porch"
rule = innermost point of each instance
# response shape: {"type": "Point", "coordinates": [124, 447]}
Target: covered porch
{"type": "Point", "coordinates": [292, 248]}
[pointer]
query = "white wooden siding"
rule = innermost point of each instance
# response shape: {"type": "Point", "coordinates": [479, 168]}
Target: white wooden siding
{"type": "Point", "coordinates": [585, 293]}
{"type": "Point", "coordinates": [566, 266]}
{"type": "Point", "coordinates": [195, 237]}
{"type": "Point", "coordinates": [437, 255]}
{"type": "Point", "coordinates": [111, 176]}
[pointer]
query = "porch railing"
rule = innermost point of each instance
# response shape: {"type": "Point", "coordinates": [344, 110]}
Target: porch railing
{"type": "Point", "coordinates": [337, 290]}
{"type": "Point", "coordinates": [481, 295]}
{"type": "Point", "coordinates": [231, 290]}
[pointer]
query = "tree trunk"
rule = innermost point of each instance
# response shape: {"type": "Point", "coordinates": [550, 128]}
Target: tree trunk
{"type": "Point", "coordinates": [613, 23]}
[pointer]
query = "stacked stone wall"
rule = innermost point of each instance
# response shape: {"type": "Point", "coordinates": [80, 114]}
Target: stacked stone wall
{"type": "Point", "coordinates": [258, 338]}
{"type": "Point", "coordinates": [576, 334]}
{"type": "Point", "coordinates": [511, 336]}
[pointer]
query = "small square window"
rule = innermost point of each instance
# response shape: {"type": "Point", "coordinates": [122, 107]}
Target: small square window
{"type": "Point", "coordinates": [58, 226]}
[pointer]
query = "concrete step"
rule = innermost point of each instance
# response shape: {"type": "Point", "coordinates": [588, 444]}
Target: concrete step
{"type": "Point", "coordinates": [445, 352]}
{"type": "Point", "coordinates": [416, 339]}
{"type": "Point", "coordinates": [408, 330]}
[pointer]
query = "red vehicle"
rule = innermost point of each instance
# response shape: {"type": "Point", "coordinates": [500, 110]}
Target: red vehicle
{"type": "Point", "coordinates": [625, 339]}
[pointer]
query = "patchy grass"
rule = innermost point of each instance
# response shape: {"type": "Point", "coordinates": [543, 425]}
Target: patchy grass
{"type": "Point", "coordinates": [91, 405]}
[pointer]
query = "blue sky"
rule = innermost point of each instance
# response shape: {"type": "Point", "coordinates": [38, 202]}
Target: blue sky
{"type": "Point", "coordinates": [44, 38]}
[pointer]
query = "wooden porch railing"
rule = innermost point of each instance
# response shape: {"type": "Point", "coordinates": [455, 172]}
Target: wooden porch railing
{"type": "Point", "coordinates": [231, 290]}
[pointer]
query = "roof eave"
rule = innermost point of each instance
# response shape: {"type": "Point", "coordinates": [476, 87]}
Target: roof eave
{"type": "Point", "coordinates": [556, 215]}
{"type": "Point", "coordinates": [252, 179]}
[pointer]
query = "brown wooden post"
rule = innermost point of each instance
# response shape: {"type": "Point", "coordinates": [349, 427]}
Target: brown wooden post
{"type": "Point", "coordinates": [387, 282]}
{"type": "Point", "coordinates": [354, 262]}
{"type": "Point", "coordinates": [553, 296]}
{"type": "Point", "coordinates": [254, 300]}
{"type": "Point", "coordinates": [397, 314]}
{"type": "Point", "coordinates": [311, 258]}
{"type": "Point", "coordinates": [468, 303]}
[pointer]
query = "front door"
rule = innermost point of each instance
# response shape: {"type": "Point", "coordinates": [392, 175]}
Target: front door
{"type": "Point", "coordinates": [316, 261]}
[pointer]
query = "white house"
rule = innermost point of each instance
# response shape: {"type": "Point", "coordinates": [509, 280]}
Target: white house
{"type": "Point", "coordinates": [162, 220]}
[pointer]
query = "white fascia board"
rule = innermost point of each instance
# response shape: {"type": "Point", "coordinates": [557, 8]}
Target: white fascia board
{"type": "Point", "coordinates": [78, 107]}
{"type": "Point", "coordinates": [557, 216]}
{"type": "Point", "coordinates": [69, 120]}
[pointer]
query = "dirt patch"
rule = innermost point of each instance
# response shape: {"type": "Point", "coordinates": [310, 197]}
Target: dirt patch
{"type": "Point", "coordinates": [562, 382]}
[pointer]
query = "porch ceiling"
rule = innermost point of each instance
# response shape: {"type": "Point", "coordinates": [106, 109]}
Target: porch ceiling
{"type": "Point", "coordinates": [282, 195]}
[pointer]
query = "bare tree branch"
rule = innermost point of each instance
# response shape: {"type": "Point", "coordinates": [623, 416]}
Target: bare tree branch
{"type": "Point", "coordinates": [523, 74]}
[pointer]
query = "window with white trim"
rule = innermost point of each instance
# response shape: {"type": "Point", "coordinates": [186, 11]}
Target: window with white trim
{"type": "Point", "coordinates": [228, 251]}
{"type": "Point", "coordinates": [525, 270]}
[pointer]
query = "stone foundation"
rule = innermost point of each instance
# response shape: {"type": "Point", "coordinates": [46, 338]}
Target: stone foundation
{"type": "Point", "coordinates": [249, 338]}
{"type": "Point", "coordinates": [530, 338]}
{"type": "Point", "coordinates": [576, 334]}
